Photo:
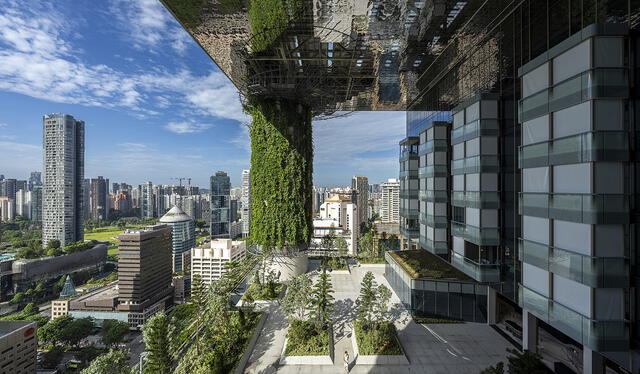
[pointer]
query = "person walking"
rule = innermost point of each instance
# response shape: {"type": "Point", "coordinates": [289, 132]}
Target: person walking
{"type": "Point", "coordinates": [345, 358]}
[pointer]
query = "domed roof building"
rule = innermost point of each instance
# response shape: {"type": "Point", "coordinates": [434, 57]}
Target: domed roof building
{"type": "Point", "coordinates": [184, 235]}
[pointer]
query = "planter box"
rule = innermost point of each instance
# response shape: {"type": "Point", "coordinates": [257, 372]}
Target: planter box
{"type": "Point", "coordinates": [251, 346]}
{"type": "Point", "coordinates": [308, 360]}
{"type": "Point", "coordinates": [264, 303]}
{"type": "Point", "coordinates": [377, 359]}
{"type": "Point", "coordinates": [375, 266]}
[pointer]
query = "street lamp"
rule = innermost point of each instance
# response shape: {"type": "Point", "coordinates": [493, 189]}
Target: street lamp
{"type": "Point", "coordinates": [142, 356]}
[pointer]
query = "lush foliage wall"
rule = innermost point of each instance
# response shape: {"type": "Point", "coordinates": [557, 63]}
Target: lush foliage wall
{"type": "Point", "coordinates": [281, 173]}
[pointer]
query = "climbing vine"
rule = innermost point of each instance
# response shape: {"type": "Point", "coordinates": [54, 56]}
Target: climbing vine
{"type": "Point", "coordinates": [269, 19]}
{"type": "Point", "coordinates": [281, 173]}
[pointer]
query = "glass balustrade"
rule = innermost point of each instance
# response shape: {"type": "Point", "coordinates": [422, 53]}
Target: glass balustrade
{"type": "Point", "coordinates": [476, 235]}
{"type": "Point", "coordinates": [479, 272]}
{"type": "Point", "coordinates": [587, 147]}
{"type": "Point", "coordinates": [475, 164]}
{"type": "Point", "coordinates": [487, 127]}
{"type": "Point", "coordinates": [610, 272]}
{"type": "Point", "coordinates": [599, 335]}
{"type": "Point", "coordinates": [591, 84]}
{"type": "Point", "coordinates": [476, 199]}
{"type": "Point", "coordinates": [584, 208]}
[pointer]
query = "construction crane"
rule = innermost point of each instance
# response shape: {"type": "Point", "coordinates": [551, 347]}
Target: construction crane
{"type": "Point", "coordinates": [181, 179]}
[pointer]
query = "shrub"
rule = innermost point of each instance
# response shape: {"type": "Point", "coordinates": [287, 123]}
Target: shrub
{"type": "Point", "coordinates": [307, 338]}
{"type": "Point", "coordinates": [379, 339]}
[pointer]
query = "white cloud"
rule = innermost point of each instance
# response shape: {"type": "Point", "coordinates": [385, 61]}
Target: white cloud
{"type": "Point", "coordinates": [134, 147]}
{"type": "Point", "coordinates": [30, 156]}
{"type": "Point", "coordinates": [149, 25]}
{"type": "Point", "coordinates": [3, 125]}
{"type": "Point", "coordinates": [37, 60]}
{"type": "Point", "coordinates": [186, 127]}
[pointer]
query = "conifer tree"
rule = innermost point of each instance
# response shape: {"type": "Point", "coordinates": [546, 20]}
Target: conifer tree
{"type": "Point", "coordinates": [198, 292]}
{"type": "Point", "coordinates": [366, 300]}
{"type": "Point", "coordinates": [156, 339]}
{"type": "Point", "coordinates": [322, 300]}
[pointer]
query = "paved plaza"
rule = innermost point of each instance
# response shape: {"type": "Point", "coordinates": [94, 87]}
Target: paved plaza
{"type": "Point", "coordinates": [435, 348]}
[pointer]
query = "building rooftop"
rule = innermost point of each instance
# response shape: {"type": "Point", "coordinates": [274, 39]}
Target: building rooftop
{"type": "Point", "coordinates": [336, 198]}
{"type": "Point", "coordinates": [420, 264]}
{"type": "Point", "coordinates": [7, 327]}
{"type": "Point", "coordinates": [175, 214]}
{"type": "Point", "coordinates": [103, 293]}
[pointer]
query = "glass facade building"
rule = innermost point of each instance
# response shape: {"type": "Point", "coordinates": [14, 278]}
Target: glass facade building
{"type": "Point", "coordinates": [220, 205]}
{"type": "Point", "coordinates": [541, 97]}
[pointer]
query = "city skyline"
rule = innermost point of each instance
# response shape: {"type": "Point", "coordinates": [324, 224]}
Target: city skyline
{"type": "Point", "coordinates": [154, 108]}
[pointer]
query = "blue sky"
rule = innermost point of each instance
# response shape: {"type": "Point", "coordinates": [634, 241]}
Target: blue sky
{"type": "Point", "coordinates": [154, 103]}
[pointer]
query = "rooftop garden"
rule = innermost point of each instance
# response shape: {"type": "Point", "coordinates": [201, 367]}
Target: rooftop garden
{"type": "Point", "coordinates": [419, 263]}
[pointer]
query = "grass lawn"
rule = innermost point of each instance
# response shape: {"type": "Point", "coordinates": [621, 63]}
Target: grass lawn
{"type": "Point", "coordinates": [305, 338]}
{"type": "Point", "coordinates": [422, 264]}
{"type": "Point", "coordinates": [108, 234]}
{"type": "Point", "coordinates": [378, 340]}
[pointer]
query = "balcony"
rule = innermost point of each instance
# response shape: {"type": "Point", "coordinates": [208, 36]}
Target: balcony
{"type": "Point", "coordinates": [409, 213]}
{"type": "Point", "coordinates": [485, 273]}
{"type": "Point", "coordinates": [587, 147]}
{"type": "Point", "coordinates": [598, 335]}
{"type": "Point", "coordinates": [433, 171]}
{"type": "Point", "coordinates": [476, 235]}
{"type": "Point", "coordinates": [409, 232]}
{"type": "Point", "coordinates": [476, 199]}
{"type": "Point", "coordinates": [584, 208]}
{"type": "Point", "coordinates": [597, 272]}
{"type": "Point", "coordinates": [413, 173]}
{"type": "Point", "coordinates": [591, 84]}
{"type": "Point", "coordinates": [488, 127]}
{"type": "Point", "coordinates": [435, 145]}
{"type": "Point", "coordinates": [438, 222]}
{"type": "Point", "coordinates": [475, 164]}
{"type": "Point", "coordinates": [409, 194]}
{"type": "Point", "coordinates": [435, 247]}
{"type": "Point", "coordinates": [438, 196]}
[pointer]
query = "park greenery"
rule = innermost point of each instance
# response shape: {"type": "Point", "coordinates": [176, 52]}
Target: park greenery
{"type": "Point", "coordinates": [335, 263]}
{"type": "Point", "coordinates": [281, 169]}
{"type": "Point", "coordinates": [269, 19]}
{"type": "Point", "coordinates": [206, 335]}
{"type": "Point", "coordinates": [114, 332]}
{"type": "Point", "coordinates": [112, 362]}
{"type": "Point", "coordinates": [308, 310]}
{"type": "Point", "coordinates": [264, 286]}
{"type": "Point", "coordinates": [422, 264]}
{"type": "Point", "coordinates": [35, 250]}
{"type": "Point", "coordinates": [375, 334]}
{"type": "Point", "coordinates": [526, 362]}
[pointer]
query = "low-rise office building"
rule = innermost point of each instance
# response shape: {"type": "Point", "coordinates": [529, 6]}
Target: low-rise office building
{"type": "Point", "coordinates": [209, 259]}
{"type": "Point", "coordinates": [18, 345]}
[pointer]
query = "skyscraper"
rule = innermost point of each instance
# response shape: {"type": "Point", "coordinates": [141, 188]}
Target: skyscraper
{"type": "Point", "coordinates": [36, 204]}
{"type": "Point", "coordinates": [63, 161]}
{"type": "Point", "coordinates": [360, 184]}
{"type": "Point", "coordinates": [246, 203]}
{"type": "Point", "coordinates": [122, 201]}
{"type": "Point", "coordinates": [146, 200]}
{"type": "Point", "coordinates": [144, 267]}
{"type": "Point", "coordinates": [23, 203]}
{"type": "Point", "coordinates": [183, 231]}
{"type": "Point", "coordinates": [35, 179]}
{"type": "Point", "coordinates": [98, 197]}
{"type": "Point", "coordinates": [8, 188]}
{"type": "Point", "coordinates": [220, 201]}
{"type": "Point", "coordinates": [390, 201]}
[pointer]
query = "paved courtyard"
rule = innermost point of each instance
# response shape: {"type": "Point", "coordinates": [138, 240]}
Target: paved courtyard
{"type": "Point", "coordinates": [435, 348]}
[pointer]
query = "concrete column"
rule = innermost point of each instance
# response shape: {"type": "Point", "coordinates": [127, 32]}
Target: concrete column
{"type": "Point", "coordinates": [592, 362]}
{"type": "Point", "coordinates": [529, 332]}
{"type": "Point", "coordinates": [492, 306]}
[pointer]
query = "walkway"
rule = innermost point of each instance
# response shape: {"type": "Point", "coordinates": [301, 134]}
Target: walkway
{"type": "Point", "coordinates": [442, 348]}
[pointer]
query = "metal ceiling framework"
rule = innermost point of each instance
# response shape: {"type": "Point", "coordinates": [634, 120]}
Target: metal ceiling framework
{"type": "Point", "coordinates": [330, 61]}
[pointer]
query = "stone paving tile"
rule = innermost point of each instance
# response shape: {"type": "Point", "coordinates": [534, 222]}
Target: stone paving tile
{"type": "Point", "coordinates": [448, 348]}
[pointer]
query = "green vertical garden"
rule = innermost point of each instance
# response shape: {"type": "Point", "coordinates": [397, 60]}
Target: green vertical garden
{"type": "Point", "coordinates": [281, 173]}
